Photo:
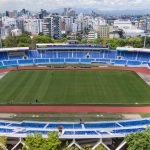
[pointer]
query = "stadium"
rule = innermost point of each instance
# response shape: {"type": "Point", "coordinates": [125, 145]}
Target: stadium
{"type": "Point", "coordinates": [74, 78]}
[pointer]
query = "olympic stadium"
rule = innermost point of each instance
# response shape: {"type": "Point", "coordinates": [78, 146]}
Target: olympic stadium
{"type": "Point", "coordinates": [75, 77]}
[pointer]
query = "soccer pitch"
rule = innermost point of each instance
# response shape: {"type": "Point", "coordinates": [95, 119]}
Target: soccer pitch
{"type": "Point", "coordinates": [73, 87]}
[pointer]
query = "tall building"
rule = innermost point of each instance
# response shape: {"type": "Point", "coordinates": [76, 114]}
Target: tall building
{"type": "Point", "coordinates": [123, 24]}
{"type": "Point", "coordinates": [56, 34]}
{"type": "Point", "coordinates": [34, 26]}
{"type": "Point", "coordinates": [20, 24]}
{"type": "Point", "coordinates": [68, 24]}
{"type": "Point", "coordinates": [0, 20]}
{"type": "Point", "coordinates": [103, 31]}
{"type": "Point", "coordinates": [74, 27]}
{"type": "Point", "coordinates": [69, 12]}
{"type": "Point", "coordinates": [47, 26]}
{"type": "Point", "coordinates": [92, 35]}
{"type": "Point", "coordinates": [52, 26]}
{"type": "Point", "coordinates": [147, 25]}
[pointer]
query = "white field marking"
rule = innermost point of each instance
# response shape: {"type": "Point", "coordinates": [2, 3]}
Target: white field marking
{"type": "Point", "coordinates": [145, 77]}
{"type": "Point", "coordinates": [3, 74]}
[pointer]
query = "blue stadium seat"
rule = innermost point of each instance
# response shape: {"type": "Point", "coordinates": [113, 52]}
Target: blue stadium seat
{"type": "Point", "coordinates": [10, 63]}
{"type": "Point", "coordinates": [25, 62]}
{"type": "Point", "coordinates": [86, 60]}
{"type": "Point", "coordinates": [57, 60]}
{"type": "Point", "coordinates": [101, 125]}
{"type": "Point", "coordinates": [103, 60]}
{"type": "Point", "coordinates": [67, 126]}
{"type": "Point", "coordinates": [41, 61]}
{"type": "Point", "coordinates": [127, 131]}
{"type": "Point", "coordinates": [71, 60]}
{"type": "Point", "coordinates": [135, 123]}
{"type": "Point", "coordinates": [134, 63]}
{"type": "Point", "coordinates": [120, 62]}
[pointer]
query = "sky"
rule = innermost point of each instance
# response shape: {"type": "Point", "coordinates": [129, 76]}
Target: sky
{"type": "Point", "coordinates": [35, 5]}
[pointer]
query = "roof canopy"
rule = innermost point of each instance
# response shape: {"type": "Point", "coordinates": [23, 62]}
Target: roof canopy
{"type": "Point", "coordinates": [129, 49]}
{"type": "Point", "coordinates": [49, 46]}
{"type": "Point", "coordinates": [13, 49]}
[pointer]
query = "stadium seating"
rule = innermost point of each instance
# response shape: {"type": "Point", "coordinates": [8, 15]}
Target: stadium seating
{"type": "Point", "coordinates": [103, 60]}
{"type": "Point", "coordinates": [32, 132]}
{"type": "Point", "coordinates": [3, 56]}
{"type": "Point", "coordinates": [41, 61]}
{"type": "Point", "coordinates": [28, 125]}
{"type": "Point", "coordinates": [6, 130]}
{"type": "Point", "coordinates": [126, 131]}
{"type": "Point", "coordinates": [134, 63]}
{"type": "Point", "coordinates": [25, 62]}
{"type": "Point", "coordinates": [86, 60]}
{"type": "Point", "coordinates": [101, 125]}
{"type": "Point", "coordinates": [58, 60]}
{"type": "Point", "coordinates": [75, 53]}
{"type": "Point", "coordinates": [15, 57]}
{"type": "Point", "coordinates": [110, 54]}
{"type": "Point", "coordinates": [10, 62]}
{"type": "Point", "coordinates": [71, 60]}
{"type": "Point", "coordinates": [64, 125]}
{"type": "Point", "coordinates": [135, 123]}
{"type": "Point", "coordinates": [128, 55]}
{"type": "Point", "coordinates": [74, 129]}
{"type": "Point", "coordinates": [33, 54]}
{"type": "Point", "coordinates": [1, 64]}
{"type": "Point", "coordinates": [120, 62]}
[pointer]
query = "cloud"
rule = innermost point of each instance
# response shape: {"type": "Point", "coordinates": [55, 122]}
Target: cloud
{"type": "Point", "coordinates": [55, 4]}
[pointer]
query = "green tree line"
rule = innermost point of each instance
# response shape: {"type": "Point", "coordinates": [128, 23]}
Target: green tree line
{"type": "Point", "coordinates": [26, 40]}
{"type": "Point", "coordinates": [52, 142]}
{"type": "Point", "coordinates": [135, 141]}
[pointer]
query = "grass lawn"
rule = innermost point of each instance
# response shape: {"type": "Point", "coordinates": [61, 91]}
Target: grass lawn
{"type": "Point", "coordinates": [68, 87]}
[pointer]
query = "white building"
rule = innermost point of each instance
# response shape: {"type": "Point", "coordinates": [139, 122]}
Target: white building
{"type": "Point", "coordinates": [33, 26]}
{"type": "Point", "coordinates": [5, 32]}
{"type": "Point", "coordinates": [74, 27]}
{"type": "Point", "coordinates": [11, 22]}
{"type": "Point", "coordinates": [16, 32]}
{"type": "Point", "coordinates": [129, 29]}
{"type": "Point", "coordinates": [68, 23]}
{"type": "Point", "coordinates": [98, 22]}
{"type": "Point", "coordinates": [133, 32]}
{"type": "Point", "coordinates": [123, 24]}
{"type": "Point", "coordinates": [52, 26]}
{"type": "Point", "coordinates": [92, 35]}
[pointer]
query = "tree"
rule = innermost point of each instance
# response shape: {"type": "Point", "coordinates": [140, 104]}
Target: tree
{"type": "Point", "coordinates": [19, 41]}
{"type": "Point", "coordinates": [10, 41]}
{"type": "Point", "coordinates": [42, 39]}
{"type": "Point", "coordinates": [37, 142]}
{"type": "Point", "coordinates": [100, 147]}
{"type": "Point", "coordinates": [139, 140]}
{"type": "Point", "coordinates": [3, 143]}
{"type": "Point", "coordinates": [135, 42]}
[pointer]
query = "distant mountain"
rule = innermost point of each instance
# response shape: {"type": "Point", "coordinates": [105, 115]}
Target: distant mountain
{"type": "Point", "coordinates": [108, 12]}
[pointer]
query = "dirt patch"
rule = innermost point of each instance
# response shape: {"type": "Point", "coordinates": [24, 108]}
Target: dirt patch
{"type": "Point", "coordinates": [131, 116]}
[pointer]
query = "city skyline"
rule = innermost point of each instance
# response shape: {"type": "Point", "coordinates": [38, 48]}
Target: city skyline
{"type": "Point", "coordinates": [84, 4]}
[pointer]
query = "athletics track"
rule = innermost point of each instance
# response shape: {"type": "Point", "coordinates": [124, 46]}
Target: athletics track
{"type": "Point", "coordinates": [61, 109]}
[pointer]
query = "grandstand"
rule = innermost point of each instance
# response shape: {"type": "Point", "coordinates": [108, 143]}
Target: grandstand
{"type": "Point", "coordinates": [104, 133]}
{"type": "Point", "coordinates": [78, 132]}
{"type": "Point", "coordinates": [74, 53]}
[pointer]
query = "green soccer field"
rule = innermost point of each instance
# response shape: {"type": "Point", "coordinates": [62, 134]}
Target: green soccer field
{"type": "Point", "coordinates": [68, 87]}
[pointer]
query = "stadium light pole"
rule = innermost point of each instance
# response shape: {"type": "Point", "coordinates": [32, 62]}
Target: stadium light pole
{"type": "Point", "coordinates": [145, 40]}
